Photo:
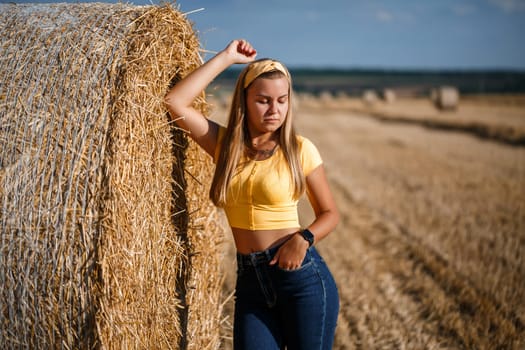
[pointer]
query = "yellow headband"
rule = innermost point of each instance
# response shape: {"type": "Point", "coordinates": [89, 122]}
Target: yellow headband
{"type": "Point", "coordinates": [261, 67]}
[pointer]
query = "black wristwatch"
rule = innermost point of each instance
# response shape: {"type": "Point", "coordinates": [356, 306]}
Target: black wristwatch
{"type": "Point", "coordinates": [308, 236]}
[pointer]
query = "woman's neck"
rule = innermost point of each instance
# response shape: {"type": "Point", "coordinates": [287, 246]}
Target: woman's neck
{"type": "Point", "coordinates": [264, 141]}
{"type": "Point", "coordinates": [263, 146]}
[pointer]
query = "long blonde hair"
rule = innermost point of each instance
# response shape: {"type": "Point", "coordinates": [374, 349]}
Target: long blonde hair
{"type": "Point", "coordinates": [237, 135]}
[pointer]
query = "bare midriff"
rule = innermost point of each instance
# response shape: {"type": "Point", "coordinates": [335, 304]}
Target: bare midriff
{"type": "Point", "coordinates": [248, 241]}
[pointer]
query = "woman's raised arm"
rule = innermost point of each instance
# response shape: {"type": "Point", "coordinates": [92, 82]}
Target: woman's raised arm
{"type": "Point", "coordinates": [180, 98]}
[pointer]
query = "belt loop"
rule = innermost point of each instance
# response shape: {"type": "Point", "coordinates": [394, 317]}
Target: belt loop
{"type": "Point", "coordinates": [257, 258]}
{"type": "Point", "coordinates": [253, 259]}
{"type": "Point", "coordinates": [268, 255]}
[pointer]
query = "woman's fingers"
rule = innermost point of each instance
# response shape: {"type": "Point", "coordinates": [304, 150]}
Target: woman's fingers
{"type": "Point", "coordinates": [245, 48]}
{"type": "Point", "coordinates": [241, 51]}
{"type": "Point", "coordinates": [288, 257]}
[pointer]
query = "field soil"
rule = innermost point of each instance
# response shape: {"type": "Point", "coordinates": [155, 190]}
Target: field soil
{"type": "Point", "coordinates": [430, 250]}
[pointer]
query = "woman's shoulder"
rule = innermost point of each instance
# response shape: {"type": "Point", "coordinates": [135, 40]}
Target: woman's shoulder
{"type": "Point", "coordinates": [305, 144]}
{"type": "Point", "coordinates": [309, 154]}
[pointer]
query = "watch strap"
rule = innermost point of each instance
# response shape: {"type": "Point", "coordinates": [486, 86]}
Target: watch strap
{"type": "Point", "coordinates": [308, 236]}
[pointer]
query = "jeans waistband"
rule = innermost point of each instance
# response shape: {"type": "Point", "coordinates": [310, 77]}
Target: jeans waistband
{"type": "Point", "coordinates": [257, 258]}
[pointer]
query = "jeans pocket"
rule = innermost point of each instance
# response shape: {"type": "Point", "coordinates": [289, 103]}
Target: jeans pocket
{"type": "Point", "coordinates": [305, 265]}
{"type": "Point", "coordinates": [292, 281]}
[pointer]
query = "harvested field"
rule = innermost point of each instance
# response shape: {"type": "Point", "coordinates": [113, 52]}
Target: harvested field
{"type": "Point", "coordinates": [500, 118]}
{"type": "Point", "coordinates": [430, 251]}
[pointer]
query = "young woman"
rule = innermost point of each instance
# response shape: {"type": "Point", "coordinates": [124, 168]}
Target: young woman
{"type": "Point", "coordinates": [285, 295]}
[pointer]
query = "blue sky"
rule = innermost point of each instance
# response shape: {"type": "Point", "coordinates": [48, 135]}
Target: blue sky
{"type": "Point", "coordinates": [435, 34]}
{"type": "Point", "coordinates": [370, 33]}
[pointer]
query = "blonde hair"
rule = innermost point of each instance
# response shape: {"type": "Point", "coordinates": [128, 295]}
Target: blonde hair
{"type": "Point", "coordinates": [237, 135]}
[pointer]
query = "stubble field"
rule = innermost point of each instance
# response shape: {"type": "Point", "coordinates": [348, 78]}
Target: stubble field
{"type": "Point", "coordinates": [430, 250]}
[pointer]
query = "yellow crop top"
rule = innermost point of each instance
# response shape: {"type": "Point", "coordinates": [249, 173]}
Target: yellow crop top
{"type": "Point", "coordinates": [260, 196]}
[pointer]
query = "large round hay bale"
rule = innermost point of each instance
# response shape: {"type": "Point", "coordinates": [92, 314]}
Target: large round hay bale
{"type": "Point", "coordinates": [108, 237]}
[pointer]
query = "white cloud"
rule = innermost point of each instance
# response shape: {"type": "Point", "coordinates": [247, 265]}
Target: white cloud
{"type": "Point", "coordinates": [463, 9]}
{"type": "Point", "coordinates": [312, 16]}
{"type": "Point", "coordinates": [509, 5]}
{"type": "Point", "coordinates": [384, 16]}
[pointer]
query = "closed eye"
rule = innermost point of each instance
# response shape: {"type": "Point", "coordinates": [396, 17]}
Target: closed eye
{"type": "Point", "coordinates": [263, 99]}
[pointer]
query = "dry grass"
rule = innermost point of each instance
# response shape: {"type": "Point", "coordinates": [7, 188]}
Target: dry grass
{"type": "Point", "coordinates": [430, 251]}
{"type": "Point", "coordinates": [105, 220]}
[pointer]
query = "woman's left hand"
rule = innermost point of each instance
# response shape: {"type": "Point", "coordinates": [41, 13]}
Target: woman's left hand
{"type": "Point", "coordinates": [291, 254]}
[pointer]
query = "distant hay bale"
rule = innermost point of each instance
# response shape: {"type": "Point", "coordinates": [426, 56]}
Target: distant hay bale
{"type": "Point", "coordinates": [108, 237]}
{"type": "Point", "coordinates": [326, 96]}
{"type": "Point", "coordinates": [341, 95]}
{"type": "Point", "coordinates": [389, 95]}
{"type": "Point", "coordinates": [370, 97]}
{"type": "Point", "coordinates": [446, 97]}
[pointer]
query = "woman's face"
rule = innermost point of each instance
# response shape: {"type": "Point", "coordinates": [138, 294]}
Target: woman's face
{"type": "Point", "coordinates": [266, 105]}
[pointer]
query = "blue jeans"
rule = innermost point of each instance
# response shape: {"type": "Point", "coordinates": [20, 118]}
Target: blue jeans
{"type": "Point", "coordinates": [278, 309]}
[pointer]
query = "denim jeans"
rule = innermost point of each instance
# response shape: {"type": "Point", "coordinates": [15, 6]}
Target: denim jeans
{"type": "Point", "coordinates": [284, 309]}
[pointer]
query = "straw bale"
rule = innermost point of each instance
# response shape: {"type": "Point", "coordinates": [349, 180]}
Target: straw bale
{"type": "Point", "coordinates": [108, 237]}
{"type": "Point", "coordinates": [370, 97]}
{"type": "Point", "coordinates": [389, 95]}
{"type": "Point", "coordinates": [446, 97]}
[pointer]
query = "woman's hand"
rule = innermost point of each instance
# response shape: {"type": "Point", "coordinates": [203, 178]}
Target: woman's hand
{"type": "Point", "coordinates": [291, 254]}
{"type": "Point", "coordinates": [240, 51]}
